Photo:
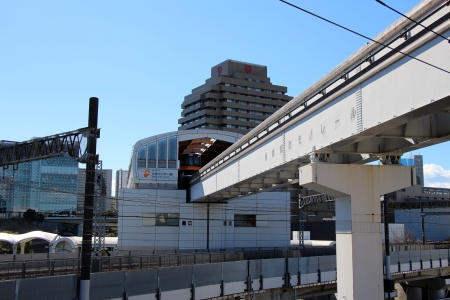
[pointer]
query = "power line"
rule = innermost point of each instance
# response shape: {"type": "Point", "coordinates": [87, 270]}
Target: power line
{"type": "Point", "coordinates": [364, 36]}
{"type": "Point", "coordinates": [417, 23]}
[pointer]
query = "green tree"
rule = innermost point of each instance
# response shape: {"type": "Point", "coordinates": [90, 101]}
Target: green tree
{"type": "Point", "coordinates": [112, 232]}
{"type": "Point", "coordinates": [110, 213]}
{"type": "Point", "coordinates": [29, 215]}
{"type": "Point", "coordinates": [39, 218]}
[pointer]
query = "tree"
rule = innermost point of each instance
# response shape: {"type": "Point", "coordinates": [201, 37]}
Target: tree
{"type": "Point", "coordinates": [409, 237]}
{"type": "Point", "coordinates": [32, 215]}
{"type": "Point", "coordinates": [29, 215]}
{"type": "Point", "coordinates": [112, 232]}
{"type": "Point", "coordinates": [110, 213]}
{"type": "Point", "coordinates": [39, 218]}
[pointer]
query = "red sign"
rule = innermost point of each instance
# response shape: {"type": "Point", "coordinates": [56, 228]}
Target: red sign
{"type": "Point", "coordinates": [219, 70]}
{"type": "Point", "coordinates": [248, 69]}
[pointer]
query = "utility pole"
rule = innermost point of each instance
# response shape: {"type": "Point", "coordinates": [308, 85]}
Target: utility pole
{"type": "Point", "coordinates": [422, 218]}
{"type": "Point", "coordinates": [388, 281]}
{"type": "Point", "coordinates": [92, 160]}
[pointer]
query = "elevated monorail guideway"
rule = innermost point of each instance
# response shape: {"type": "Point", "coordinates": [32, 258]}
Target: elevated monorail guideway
{"type": "Point", "coordinates": [376, 105]}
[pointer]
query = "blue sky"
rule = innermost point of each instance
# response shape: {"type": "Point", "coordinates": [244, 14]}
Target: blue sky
{"type": "Point", "coordinates": [140, 58]}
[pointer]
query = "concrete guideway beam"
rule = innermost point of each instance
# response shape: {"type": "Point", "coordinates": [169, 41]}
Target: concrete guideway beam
{"type": "Point", "coordinates": [357, 189]}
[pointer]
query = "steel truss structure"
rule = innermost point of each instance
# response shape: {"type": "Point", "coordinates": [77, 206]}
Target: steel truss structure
{"type": "Point", "coordinates": [313, 199]}
{"type": "Point", "coordinates": [70, 144]}
{"type": "Point", "coordinates": [99, 231]}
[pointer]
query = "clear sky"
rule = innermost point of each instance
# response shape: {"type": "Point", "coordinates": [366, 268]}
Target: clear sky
{"type": "Point", "coordinates": [140, 58]}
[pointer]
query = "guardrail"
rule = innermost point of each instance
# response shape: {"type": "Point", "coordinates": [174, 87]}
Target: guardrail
{"type": "Point", "coordinates": [139, 260]}
{"type": "Point", "coordinates": [172, 276]}
{"type": "Point", "coordinates": [32, 268]}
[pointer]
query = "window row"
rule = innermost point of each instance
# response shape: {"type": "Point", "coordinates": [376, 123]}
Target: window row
{"type": "Point", "coordinates": [173, 219]}
{"type": "Point", "coordinates": [244, 111]}
{"type": "Point", "coordinates": [206, 126]}
{"type": "Point", "coordinates": [237, 102]}
{"type": "Point", "coordinates": [232, 93]}
{"type": "Point", "coordinates": [435, 191]}
{"type": "Point", "coordinates": [161, 154]}
{"type": "Point", "coordinates": [254, 80]}
{"type": "Point", "coordinates": [254, 89]}
{"type": "Point", "coordinates": [251, 103]}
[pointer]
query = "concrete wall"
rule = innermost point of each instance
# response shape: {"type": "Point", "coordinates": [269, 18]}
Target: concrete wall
{"type": "Point", "coordinates": [208, 280]}
{"type": "Point", "coordinates": [138, 208]}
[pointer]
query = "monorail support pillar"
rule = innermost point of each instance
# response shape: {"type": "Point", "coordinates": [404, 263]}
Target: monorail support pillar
{"type": "Point", "coordinates": [357, 190]}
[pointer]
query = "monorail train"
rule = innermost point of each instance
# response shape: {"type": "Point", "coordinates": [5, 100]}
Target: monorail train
{"type": "Point", "coordinates": [190, 163]}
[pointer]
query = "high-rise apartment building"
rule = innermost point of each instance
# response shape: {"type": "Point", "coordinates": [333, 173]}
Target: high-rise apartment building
{"type": "Point", "coordinates": [107, 174]}
{"type": "Point", "coordinates": [236, 98]}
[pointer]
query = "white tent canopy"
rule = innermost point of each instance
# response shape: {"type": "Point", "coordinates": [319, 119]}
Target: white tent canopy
{"type": "Point", "coordinates": [56, 243]}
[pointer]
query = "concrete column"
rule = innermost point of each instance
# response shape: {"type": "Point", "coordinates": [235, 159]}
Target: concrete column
{"type": "Point", "coordinates": [413, 293]}
{"type": "Point", "coordinates": [22, 248]}
{"type": "Point", "coordinates": [51, 247]}
{"type": "Point", "coordinates": [14, 247]}
{"type": "Point", "coordinates": [357, 189]}
{"type": "Point", "coordinates": [436, 294]}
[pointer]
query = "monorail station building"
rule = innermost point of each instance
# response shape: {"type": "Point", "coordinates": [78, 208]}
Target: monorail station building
{"type": "Point", "coordinates": [155, 211]}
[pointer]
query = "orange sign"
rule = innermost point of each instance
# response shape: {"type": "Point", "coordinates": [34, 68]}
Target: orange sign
{"type": "Point", "coordinates": [146, 173]}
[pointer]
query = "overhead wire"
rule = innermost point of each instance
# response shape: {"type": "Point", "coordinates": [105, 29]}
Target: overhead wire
{"type": "Point", "coordinates": [364, 36]}
{"type": "Point", "coordinates": [414, 21]}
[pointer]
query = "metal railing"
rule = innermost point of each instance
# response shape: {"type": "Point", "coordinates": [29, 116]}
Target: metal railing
{"type": "Point", "coordinates": [31, 268]}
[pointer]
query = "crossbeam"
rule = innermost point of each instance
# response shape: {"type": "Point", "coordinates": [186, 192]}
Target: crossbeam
{"type": "Point", "coordinates": [72, 144]}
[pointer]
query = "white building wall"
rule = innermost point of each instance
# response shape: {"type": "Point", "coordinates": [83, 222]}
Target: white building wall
{"type": "Point", "coordinates": [138, 208]}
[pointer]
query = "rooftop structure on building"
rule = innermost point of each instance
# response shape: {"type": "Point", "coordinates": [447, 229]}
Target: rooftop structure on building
{"type": "Point", "coordinates": [237, 97]}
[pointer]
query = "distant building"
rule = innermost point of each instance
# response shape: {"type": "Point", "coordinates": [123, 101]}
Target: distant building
{"type": "Point", "coordinates": [416, 161]}
{"type": "Point", "coordinates": [236, 98]}
{"type": "Point", "coordinates": [121, 183]}
{"type": "Point", "coordinates": [107, 173]}
{"type": "Point", "coordinates": [48, 185]}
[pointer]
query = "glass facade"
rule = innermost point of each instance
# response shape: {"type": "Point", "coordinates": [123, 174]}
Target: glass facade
{"type": "Point", "coordinates": [152, 155]}
{"type": "Point", "coordinates": [161, 154]}
{"type": "Point", "coordinates": [45, 186]}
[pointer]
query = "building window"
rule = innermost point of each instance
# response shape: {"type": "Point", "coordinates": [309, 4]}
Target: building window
{"type": "Point", "coordinates": [152, 155]}
{"type": "Point", "coordinates": [244, 220]}
{"type": "Point", "coordinates": [141, 157]}
{"type": "Point", "coordinates": [167, 220]}
{"type": "Point", "coordinates": [162, 154]}
{"type": "Point", "coordinates": [172, 152]}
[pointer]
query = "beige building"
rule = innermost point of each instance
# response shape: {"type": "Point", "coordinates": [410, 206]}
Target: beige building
{"type": "Point", "coordinates": [236, 98]}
